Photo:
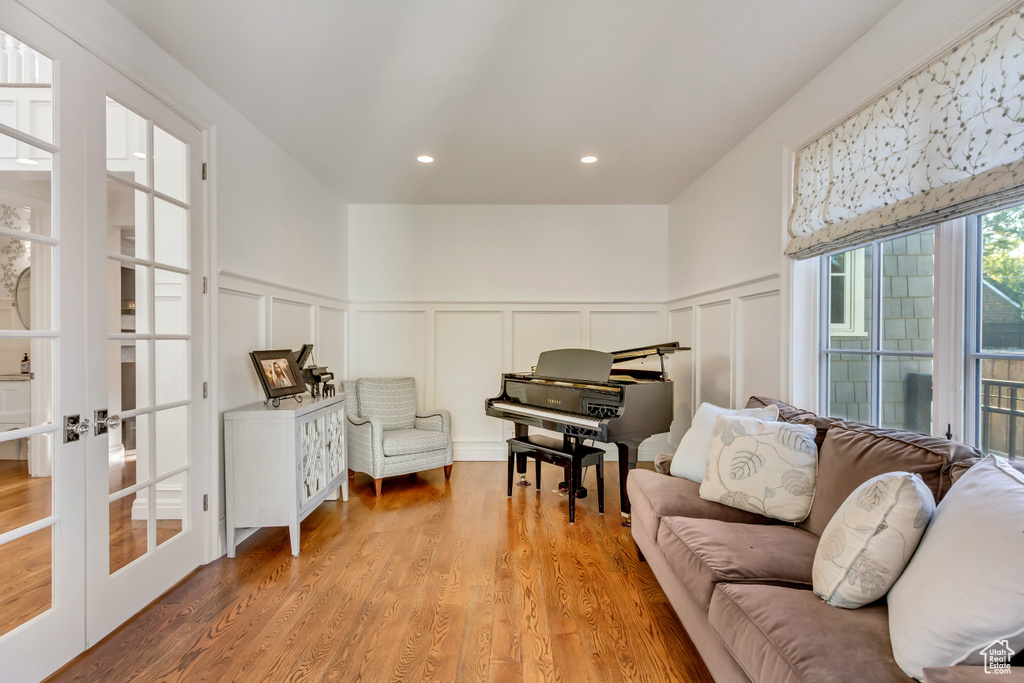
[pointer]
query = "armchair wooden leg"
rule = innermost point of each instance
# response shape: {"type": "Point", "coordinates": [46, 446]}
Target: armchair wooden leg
{"type": "Point", "coordinates": [447, 472]}
{"type": "Point", "coordinates": [377, 483]}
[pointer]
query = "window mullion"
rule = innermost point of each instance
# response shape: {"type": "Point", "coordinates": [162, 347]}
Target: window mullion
{"type": "Point", "coordinates": [875, 333]}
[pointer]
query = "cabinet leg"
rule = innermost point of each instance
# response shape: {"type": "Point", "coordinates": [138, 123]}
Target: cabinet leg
{"type": "Point", "coordinates": [231, 541]}
{"type": "Point", "coordinates": [344, 488]}
{"type": "Point", "coordinates": [293, 533]}
{"type": "Point", "coordinates": [447, 472]}
{"type": "Point", "coordinates": [377, 484]}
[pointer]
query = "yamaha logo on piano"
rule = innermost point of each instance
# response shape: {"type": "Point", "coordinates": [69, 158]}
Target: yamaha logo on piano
{"type": "Point", "coordinates": [554, 401]}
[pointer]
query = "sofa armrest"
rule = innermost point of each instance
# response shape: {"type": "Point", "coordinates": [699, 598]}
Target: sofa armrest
{"type": "Point", "coordinates": [435, 421]}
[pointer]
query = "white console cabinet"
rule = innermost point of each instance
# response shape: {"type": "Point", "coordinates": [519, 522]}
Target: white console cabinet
{"type": "Point", "coordinates": [280, 463]}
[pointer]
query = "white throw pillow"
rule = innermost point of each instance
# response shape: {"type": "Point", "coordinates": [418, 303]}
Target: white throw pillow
{"type": "Point", "coordinates": [963, 589]}
{"type": "Point", "coordinates": [763, 467]}
{"type": "Point", "coordinates": [871, 538]}
{"type": "Point", "coordinates": [691, 456]}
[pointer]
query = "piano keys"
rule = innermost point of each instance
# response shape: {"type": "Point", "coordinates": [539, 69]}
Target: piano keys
{"type": "Point", "coordinates": [586, 394]}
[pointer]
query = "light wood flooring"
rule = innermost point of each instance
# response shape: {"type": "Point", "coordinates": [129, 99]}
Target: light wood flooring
{"type": "Point", "coordinates": [433, 581]}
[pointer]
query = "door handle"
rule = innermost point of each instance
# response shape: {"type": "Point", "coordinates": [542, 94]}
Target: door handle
{"type": "Point", "coordinates": [75, 428]}
{"type": "Point", "coordinates": [104, 423]}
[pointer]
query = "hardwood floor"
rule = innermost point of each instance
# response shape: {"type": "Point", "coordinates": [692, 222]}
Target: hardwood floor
{"type": "Point", "coordinates": [431, 581]}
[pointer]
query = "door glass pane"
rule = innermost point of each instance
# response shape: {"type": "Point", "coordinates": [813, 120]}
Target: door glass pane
{"type": "Point", "coordinates": [849, 386]}
{"type": "Point", "coordinates": [26, 399]}
{"type": "Point", "coordinates": [127, 227]}
{"type": "Point", "coordinates": [1002, 407]}
{"type": "Point", "coordinates": [850, 300]}
{"type": "Point", "coordinates": [171, 439]}
{"type": "Point", "coordinates": [907, 394]}
{"type": "Point", "coordinates": [128, 384]}
{"type": "Point", "coordinates": [26, 92]}
{"type": "Point", "coordinates": [25, 187]}
{"type": "Point", "coordinates": [127, 144]}
{"type": "Point", "coordinates": [908, 288]}
{"type": "Point", "coordinates": [129, 453]}
{"type": "Point", "coordinates": [129, 526]}
{"type": "Point", "coordinates": [170, 164]}
{"type": "Point", "coordinates": [171, 371]}
{"type": "Point", "coordinates": [25, 285]}
{"type": "Point", "coordinates": [26, 492]}
{"type": "Point", "coordinates": [26, 581]}
{"type": "Point", "coordinates": [128, 287]}
{"type": "Point", "coordinates": [1002, 280]}
{"type": "Point", "coordinates": [170, 225]}
{"type": "Point", "coordinates": [171, 302]}
{"type": "Point", "coordinates": [171, 507]}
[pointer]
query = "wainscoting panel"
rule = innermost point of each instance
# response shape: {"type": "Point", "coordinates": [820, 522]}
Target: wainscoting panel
{"type": "Point", "coordinates": [291, 324]}
{"type": "Point", "coordinates": [469, 361]}
{"type": "Point", "coordinates": [714, 353]}
{"type": "Point", "coordinates": [240, 329]}
{"type": "Point", "coordinates": [681, 373]}
{"type": "Point", "coordinates": [536, 331]}
{"type": "Point", "coordinates": [736, 337]}
{"type": "Point", "coordinates": [394, 344]}
{"type": "Point", "coordinates": [758, 346]}
{"type": "Point", "coordinates": [616, 330]}
{"type": "Point", "coordinates": [331, 345]}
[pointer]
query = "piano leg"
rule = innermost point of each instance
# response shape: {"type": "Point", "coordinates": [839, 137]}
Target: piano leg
{"type": "Point", "coordinates": [521, 431]}
{"type": "Point", "coordinates": [627, 462]}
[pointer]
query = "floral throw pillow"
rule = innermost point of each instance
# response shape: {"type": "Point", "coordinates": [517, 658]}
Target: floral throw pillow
{"type": "Point", "coordinates": [764, 467]}
{"type": "Point", "coordinates": [871, 538]}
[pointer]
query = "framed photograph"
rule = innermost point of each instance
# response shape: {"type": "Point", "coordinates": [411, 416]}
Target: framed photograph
{"type": "Point", "coordinates": [279, 373]}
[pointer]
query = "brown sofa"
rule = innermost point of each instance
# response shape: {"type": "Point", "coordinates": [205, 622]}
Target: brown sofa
{"type": "Point", "coordinates": [741, 583]}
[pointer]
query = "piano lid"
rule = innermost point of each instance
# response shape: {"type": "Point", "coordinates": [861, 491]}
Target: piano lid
{"type": "Point", "coordinates": [579, 364]}
{"type": "Point", "coordinates": [644, 351]}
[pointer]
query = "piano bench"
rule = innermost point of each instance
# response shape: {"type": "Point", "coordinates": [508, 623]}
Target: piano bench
{"type": "Point", "coordinates": [570, 457]}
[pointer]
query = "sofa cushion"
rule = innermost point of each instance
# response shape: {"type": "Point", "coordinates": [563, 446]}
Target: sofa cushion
{"type": "Point", "coordinates": [705, 552]}
{"type": "Point", "coordinates": [871, 538]}
{"type": "Point", "coordinates": [855, 452]}
{"type": "Point", "coordinates": [788, 413]}
{"type": "Point", "coordinates": [779, 634]}
{"type": "Point", "coordinates": [961, 593]}
{"type": "Point", "coordinates": [763, 467]}
{"type": "Point", "coordinates": [408, 441]}
{"type": "Point", "coordinates": [691, 458]}
{"type": "Point", "coordinates": [391, 400]}
{"type": "Point", "coordinates": [654, 496]}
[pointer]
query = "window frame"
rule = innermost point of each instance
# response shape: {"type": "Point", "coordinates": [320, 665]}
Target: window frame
{"type": "Point", "coordinates": [974, 354]}
{"type": "Point", "coordinates": [874, 353]}
{"type": "Point", "coordinates": [853, 296]}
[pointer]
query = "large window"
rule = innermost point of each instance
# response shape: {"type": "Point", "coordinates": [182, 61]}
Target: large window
{"type": "Point", "coordinates": [995, 368]}
{"type": "Point", "coordinates": [882, 339]}
{"type": "Point", "coordinates": [879, 336]}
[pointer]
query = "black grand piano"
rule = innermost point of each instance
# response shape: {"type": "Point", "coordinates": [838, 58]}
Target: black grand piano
{"type": "Point", "coordinates": [585, 394]}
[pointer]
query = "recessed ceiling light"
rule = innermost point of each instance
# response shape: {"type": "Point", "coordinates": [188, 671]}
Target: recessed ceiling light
{"type": "Point", "coordinates": [30, 162]}
{"type": "Point", "coordinates": [425, 159]}
{"type": "Point", "coordinates": [588, 160]}
{"type": "Point", "coordinates": [139, 155]}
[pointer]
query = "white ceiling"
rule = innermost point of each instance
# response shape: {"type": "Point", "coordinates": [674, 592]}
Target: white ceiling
{"type": "Point", "coordinates": [507, 95]}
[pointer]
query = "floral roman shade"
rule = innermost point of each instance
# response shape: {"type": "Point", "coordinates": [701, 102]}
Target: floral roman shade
{"type": "Point", "coordinates": [947, 142]}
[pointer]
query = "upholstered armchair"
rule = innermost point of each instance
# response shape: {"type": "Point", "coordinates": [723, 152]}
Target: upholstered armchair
{"type": "Point", "coordinates": [386, 437]}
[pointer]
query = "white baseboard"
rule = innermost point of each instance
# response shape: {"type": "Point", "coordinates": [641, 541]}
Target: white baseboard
{"type": "Point", "coordinates": [169, 503]}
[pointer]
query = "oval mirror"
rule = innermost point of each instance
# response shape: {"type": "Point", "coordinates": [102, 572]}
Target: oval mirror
{"type": "Point", "coordinates": [23, 297]}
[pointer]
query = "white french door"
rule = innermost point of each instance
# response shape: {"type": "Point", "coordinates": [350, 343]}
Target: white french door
{"type": "Point", "coordinates": [144, 327]}
{"type": "Point", "coordinates": [101, 265]}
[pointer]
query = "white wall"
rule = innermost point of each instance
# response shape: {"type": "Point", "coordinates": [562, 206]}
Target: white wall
{"type": "Point", "coordinates": [727, 229]}
{"type": "Point", "coordinates": [456, 295]}
{"type": "Point", "coordinates": [507, 253]}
